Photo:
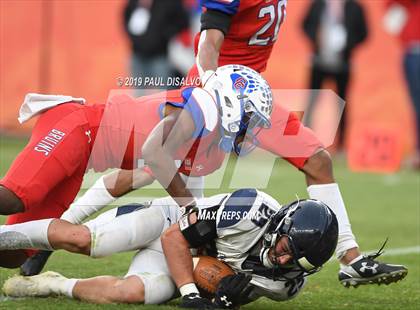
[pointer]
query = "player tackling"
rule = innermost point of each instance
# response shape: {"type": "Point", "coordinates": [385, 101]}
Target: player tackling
{"type": "Point", "coordinates": [244, 32]}
{"type": "Point", "coordinates": [195, 125]}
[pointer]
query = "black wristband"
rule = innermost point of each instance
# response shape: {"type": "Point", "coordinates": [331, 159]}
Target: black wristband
{"type": "Point", "coordinates": [201, 232]}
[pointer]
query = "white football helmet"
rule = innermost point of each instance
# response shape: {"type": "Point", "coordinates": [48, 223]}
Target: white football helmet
{"type": "Point", "coordinates": [245, 103]}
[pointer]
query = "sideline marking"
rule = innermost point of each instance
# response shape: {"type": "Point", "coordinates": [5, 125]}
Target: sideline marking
{"type": "Point", "coordinates": [402, 251]}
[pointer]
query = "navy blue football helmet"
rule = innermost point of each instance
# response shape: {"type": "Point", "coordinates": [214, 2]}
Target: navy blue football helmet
{"type": "Point", "coordinates": [312, 231]}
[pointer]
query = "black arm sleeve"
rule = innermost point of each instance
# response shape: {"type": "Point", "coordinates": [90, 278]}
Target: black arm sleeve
{"type": "Point", "coordinates": [201, 232]}
{"type": "Point", "coordinates": [212, 19]}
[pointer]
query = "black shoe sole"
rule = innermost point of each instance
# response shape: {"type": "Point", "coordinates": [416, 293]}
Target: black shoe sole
{"type": "Point", "coordinates": [379, 279]}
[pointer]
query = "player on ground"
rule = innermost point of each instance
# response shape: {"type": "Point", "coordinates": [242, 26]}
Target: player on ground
{"type": "Point", "coordinates": [244, 32]}
{"type": "Point", "coordinates": [303, 237]}
{"type": "Point", "coordinates": [69, 138]}
{"type": "Point", "coordinates": [258, 241]}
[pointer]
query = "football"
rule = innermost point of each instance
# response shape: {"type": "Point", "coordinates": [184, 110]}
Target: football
{"type": "Point", "coordinates": [208, 271]}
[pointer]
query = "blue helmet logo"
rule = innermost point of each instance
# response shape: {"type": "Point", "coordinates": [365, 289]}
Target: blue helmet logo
{"type": "Point", "coordinates": [239, 83]}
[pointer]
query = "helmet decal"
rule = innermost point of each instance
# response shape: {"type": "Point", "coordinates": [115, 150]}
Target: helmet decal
{"type": "Point", "coordinates": [238, 82]}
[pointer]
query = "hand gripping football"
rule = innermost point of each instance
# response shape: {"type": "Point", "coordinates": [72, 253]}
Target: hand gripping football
{"type": "Point", "coordinates": [208, 271]}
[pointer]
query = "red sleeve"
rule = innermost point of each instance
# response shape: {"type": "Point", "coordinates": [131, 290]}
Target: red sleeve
{"type": "Point", "coordinates": [288, 138]}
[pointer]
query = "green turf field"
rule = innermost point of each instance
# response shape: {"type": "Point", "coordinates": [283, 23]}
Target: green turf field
{"type": "Point", "coordinates": [379, 206]}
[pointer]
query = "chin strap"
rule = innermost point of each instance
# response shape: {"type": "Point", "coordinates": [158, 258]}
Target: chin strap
{"type": "Point", "coordinates": [265, 260]}
{"type": "Point", "coordinates": [379, 252]}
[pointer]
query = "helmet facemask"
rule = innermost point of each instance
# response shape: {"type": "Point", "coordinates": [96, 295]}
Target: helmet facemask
{"type": "Point", "coordinates": [251, 124]}
{"type": "Point", "coordinates": [245, 103]}
{"type": "Point", "coordinates": [299, 266]}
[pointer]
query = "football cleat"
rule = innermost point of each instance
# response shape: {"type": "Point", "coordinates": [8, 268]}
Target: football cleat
{"type": "Point", "coordinates": [34, 264]}
{"type": "Point", "coordinates": [369, 271]}
{"type": "Point", "coordinates": [35, 286]}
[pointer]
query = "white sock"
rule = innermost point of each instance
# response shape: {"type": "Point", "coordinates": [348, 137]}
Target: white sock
{"type": "Point", "coordinates": [63, 286]}
{"type": "Point", "coordinates": [351, 262]}
{"type": "Point", "coordinates": [68, 287]}
{"type": "Point", "coordinates": [93, 200]}
{"type": "Point", "coordinates": [29, 235]}
{"type": "Point", "coordinates": [331, 196]}
{"type": "Point", "coordinates": [187, 289]}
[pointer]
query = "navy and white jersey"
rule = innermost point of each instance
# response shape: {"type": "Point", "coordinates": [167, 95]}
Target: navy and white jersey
{"type": "Point", "coordinates": [241, 222]}
{"type": "Point", "coordinates": [275, 290]}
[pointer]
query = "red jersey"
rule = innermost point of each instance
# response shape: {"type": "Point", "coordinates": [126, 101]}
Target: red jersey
{"type": "Point", "coordinates": [70, 138]}
{"type": "Point", "coordinates": [126, 122]}
{"type": "Point", "coordinates": [254, 29]}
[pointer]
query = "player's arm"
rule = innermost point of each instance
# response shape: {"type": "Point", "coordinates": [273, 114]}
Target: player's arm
{"type": "Point", "coordinates": [215, 24]}
{"type": "Point", "coordinates": [208, 52]}
{"type": "Point", "coordinates": [177, 241]}
{"type": "Point", "coordinates": [121, 182]}
{"type": "Point", "coordinates": [192, 232]}
{"type": "Point", "coordinates": [105, 191]}
{"type": "Point", "coordinates": [172, 132]}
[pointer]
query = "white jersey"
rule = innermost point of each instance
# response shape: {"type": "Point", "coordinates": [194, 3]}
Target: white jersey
{"type": "Point", "coordinates": [240, 218]}
{"type": "Point", "coordinates": [241, 221]}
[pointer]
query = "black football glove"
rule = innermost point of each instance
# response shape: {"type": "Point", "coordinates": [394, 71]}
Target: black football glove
{"type": "Point", "coordinates": [195, 301]}
{"type": "Point", "coordinates": [229, 290]}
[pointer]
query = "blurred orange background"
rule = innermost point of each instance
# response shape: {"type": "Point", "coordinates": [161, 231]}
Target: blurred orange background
{"type": "Point", "coordinates": [79, 48]}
